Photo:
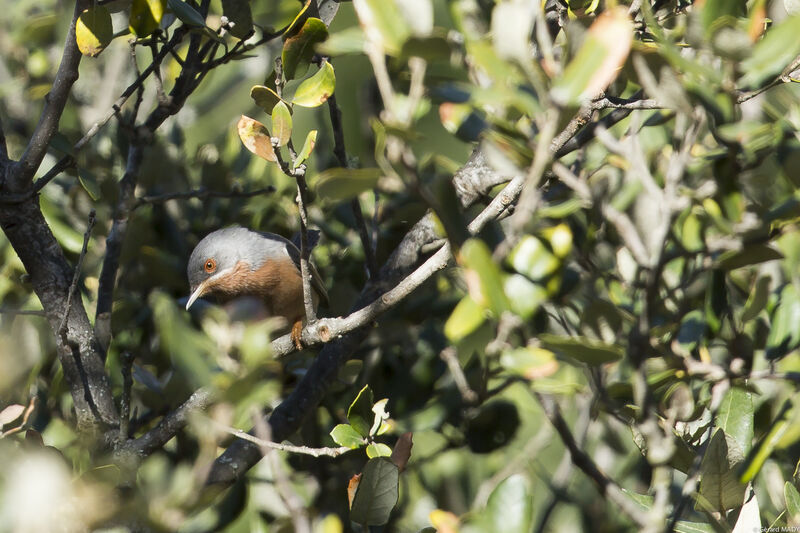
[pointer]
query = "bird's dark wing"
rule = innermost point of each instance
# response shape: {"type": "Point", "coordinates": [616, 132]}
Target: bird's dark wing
{"type": "Point", "coordinates": [294, 253]}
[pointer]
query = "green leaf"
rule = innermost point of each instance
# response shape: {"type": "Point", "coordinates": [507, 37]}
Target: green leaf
{"type": "Point", "coordinates": [345, 435]}
{"type": "Point", "coordinates": [146, 16]}
{"type": "Point", "coordinates": [792, 498]}
{"type": "Point", "coordinates": [89, 183]}
{"type": "Point", "coordinates": [315, 90]}
{"type": "Point", "coordinates": [532, 258]}
{"type": "Point", "coordinates": [749, 255]}
{"type": "Point", "coordinates": [524, 295]}
{"type": "Point", "coordinates": [360, 414]}
{"type": "Point", "coordinates": [719, 485]}
{"type": "Point", "coordinates": [773, 53]}
{"type": "Point", "coordinates": [692, 330]}
{"type": "Point", "coordinates": [383, 23]}
{"type": "Point", "coordinates": [299, 48]}
{"type": "Point", "coordinates": [784, 335]}
{"type": "Point", "coordinates": [93, 30]}
{"type": "Point", "coordinates": [281, 123]}
{"type": "Point", "coordinates": [529, 362]}
{"type": "Point", "coordinates": [377, 493]}
{"type": "Point", "coordinates": [583, 349]}
{"type": "Point", "coordinates": [510, 505]}
{"type": "Point", "coordinates": [240, 14]}
{"type": "Point", "coordinates": [256, 138]}
{"type": "Point", "coordinates": [430, 48]}
{"type": "Point", "coordinates": [377, 449]}
{"type": "Point", "coordinates": [487, 288]}
{"type": "Point", "coordinates": [735, 417]}
{"type": "Point", "coordinates": [186, 13]}
{"type": "Point", "coordinates": [780, 427]}
{"type": "Point", "coordinates": [465, 318]}
{"type": "Point", "coordinates": [595, 66]}
{"type": "Point", "coordinates": [340, 184]}
{"type": "Point", "coordinates": [308, 146]}
{"type": "Point", "coordinates": [264, 97]}
{"type": "Point", "coordinates": [349, 41]}
{"type": "Point", "coordinates": [757, 299]}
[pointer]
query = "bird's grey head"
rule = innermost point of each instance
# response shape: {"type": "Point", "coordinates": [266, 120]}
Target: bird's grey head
{"type": "Point", "coordinates": [218, 253]}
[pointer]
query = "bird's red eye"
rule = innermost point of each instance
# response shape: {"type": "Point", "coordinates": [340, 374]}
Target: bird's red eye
{"type": "Point", "coordinates": [210, 266]}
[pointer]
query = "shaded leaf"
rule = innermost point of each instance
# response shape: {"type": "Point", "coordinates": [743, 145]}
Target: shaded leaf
{"type": "Point", "coordinates": [264, 97]}
{"type": "Point", "coordinates": [281, 123]}
{"type": "Point", "coordinates": [792, 498]}
{"type": "Point", "coordinates": [784, 335]}
{"type": "Point", "coordinates": [377, 493]}
{"type": "Point", "coordinates": [186, 13]}
{"type": "Point", "coordinates": [348, 41]}
{"type": "Point", "coordinates": [757, 299]}
{"type": "Point", "coordinates": [510, 505]}
{"type": "Point", "coordinates": [583, 349]}
{"type": "Point", "coordinates": [93, 30]}
{"type": "Point", "coordinates": [360, 414]}
{"type": "Point", "coordinates": [340, 184]}
{"type": "Point", "coordinates": [402, 450]}
{"type": "Point", "coordinates": [719, 484]}
{"type": "Point", "coordinates": [749, 255]}
{"type": "Point", "coordinates": [89, 183]}
{"type": "Point", "coordinates": [256, 138]}
{"type": "Point", "coordinates": [493, 426]}
{"type": "Point", "coordinates": [240, 14]}
{"type": "Point", "coordinates": [345, 435]}
{"type": "Point", "coordinates": [315, 90]}
{"type": "Point", "coordinates": [299, 48]}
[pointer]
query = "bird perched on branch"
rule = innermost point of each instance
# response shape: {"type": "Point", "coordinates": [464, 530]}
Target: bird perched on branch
{"type": "Point", "coordinates": [235, 262]}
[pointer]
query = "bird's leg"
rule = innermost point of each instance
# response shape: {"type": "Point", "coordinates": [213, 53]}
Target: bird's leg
{"type": "Point", "coordinates": [297, 331]}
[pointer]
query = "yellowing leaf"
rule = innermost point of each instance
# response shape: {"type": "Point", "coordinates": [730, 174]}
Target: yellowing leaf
{"type": "Point", "coordinates": [93, 30]}
{"type": "Point", "coordinates": [264, 97]}
{"type": "Point", "coordinates": [599, 59]}
{"type": "Point", "coordinates": [256, 138]}
{"type": "Point", "coordinates": [308, 146]}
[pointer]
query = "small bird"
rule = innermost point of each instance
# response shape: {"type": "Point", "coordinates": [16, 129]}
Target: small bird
{"type": "Point", "coordinates": [235, 262]}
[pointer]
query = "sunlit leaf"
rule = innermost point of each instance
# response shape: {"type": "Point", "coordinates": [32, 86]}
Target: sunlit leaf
{"type": "Point", "coordinates": [482, 275]}
{"type": "Point", "coordinates": [465, 318]}
{"type": "Point", "coordinates": [11, 413]}
{"type": "Point", "coordinates": [308, 147]}
{"type": "Point", "coordinates": [510, 505]}
{"type": "Point", "coordinates": [735, 417]}
{"type": "Point", "coordinates": [93, 30]}
{"type": "Point", "coordinates": [599, 59]}
{"type": "Point", "coordinates": [317, 89]}
{"type": "Point", "coordinates": [773, 53]}
{"type": "Point", "coordinates": [146, 16]}
{"type": "Point", "coordinates": [345, 435]}
{"type": "Point", "coordinates": [256, 138]}
{"type": "Point", "coordinates": [377, 449]}
{"type": "Point", "coordinates": [383, 23]}
{"type": "Point", "coordinates": [347, 41]}
{"type": "Point", "coordinates": [529, 362]}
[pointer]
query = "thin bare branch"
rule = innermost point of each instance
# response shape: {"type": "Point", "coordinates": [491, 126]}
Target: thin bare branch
{"type": "Point", "coordinates": [56, 99]}
{"type": "Point", "coordinates": [450, 357]}
{"type": "Point", "coordinates": [62, 329]}
{"type": "Point", "coordinates": [202, 194]}
{"type": "Point", "coordinates": [304, 450]}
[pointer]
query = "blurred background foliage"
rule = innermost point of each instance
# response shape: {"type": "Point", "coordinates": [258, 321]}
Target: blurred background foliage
{"type": "Point", "coordinates": [647, 281]}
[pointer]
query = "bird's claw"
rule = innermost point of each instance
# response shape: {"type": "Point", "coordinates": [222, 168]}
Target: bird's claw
{"type": "Point", "coordinates": [297, 333]}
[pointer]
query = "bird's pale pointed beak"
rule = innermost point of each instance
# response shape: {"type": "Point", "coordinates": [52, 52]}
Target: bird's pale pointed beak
{"type": "Point", "coordinates": [197, 293]}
